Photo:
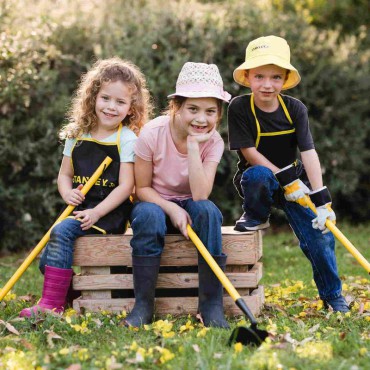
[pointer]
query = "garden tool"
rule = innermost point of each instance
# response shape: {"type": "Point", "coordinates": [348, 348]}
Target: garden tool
{"type": "Point", "coordinates": [246, 336]}
{"type": "Point", "coordinates": [306, 201]}
{"type": "Point", "coordinates": [23, 267]}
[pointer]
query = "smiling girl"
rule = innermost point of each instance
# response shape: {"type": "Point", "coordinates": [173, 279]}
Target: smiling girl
{"type": "Point", "coordinates": [176, 160]}
{"type": "Point", "coordinates": [110, 106]}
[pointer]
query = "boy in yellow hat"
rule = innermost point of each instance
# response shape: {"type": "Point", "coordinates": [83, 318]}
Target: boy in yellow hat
{"type": "Point", "coordinates": [266, 128]}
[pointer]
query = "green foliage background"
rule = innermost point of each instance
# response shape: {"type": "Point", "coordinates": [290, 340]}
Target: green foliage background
{"type": "Point", "coordinates": [46, 45]}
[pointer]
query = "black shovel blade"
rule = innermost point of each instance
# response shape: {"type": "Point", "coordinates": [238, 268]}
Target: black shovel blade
{"type": "Point", "coordinates": [248, 336]}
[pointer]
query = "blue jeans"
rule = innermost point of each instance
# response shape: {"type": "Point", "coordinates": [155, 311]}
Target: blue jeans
{"type": "Point", "coordinates": [59, 250]}
{"type": "Point", "coordinates": [149, 226]}
{"type": "Point", "coordinates": [261, 192]}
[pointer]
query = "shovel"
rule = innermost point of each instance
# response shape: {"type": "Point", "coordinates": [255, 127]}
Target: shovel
{"type": "Point", "coordinates": [23, 267]}
{"type": "Point", "coordinates": [246, 336]}
{"type": "Point", "coordinates": [338, 234]}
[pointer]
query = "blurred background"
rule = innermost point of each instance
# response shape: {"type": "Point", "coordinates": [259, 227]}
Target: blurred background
{"type": "Point", "coordinates": [46, 45]}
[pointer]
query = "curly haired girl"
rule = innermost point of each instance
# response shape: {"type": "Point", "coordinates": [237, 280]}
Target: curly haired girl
{"type": "Point", "coordinates": [111, 105]}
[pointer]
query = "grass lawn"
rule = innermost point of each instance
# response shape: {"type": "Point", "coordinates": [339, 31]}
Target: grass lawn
{"type": "Point", "coordinates": [304, 335]}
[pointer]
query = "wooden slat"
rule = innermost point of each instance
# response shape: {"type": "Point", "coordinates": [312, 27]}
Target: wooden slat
{"type": "Point", "coordinates": [171, 305]}
{"type": "Point", "coordinates": [114, 250]}
{"type": "Point", "coordinates": [248, 279]}
{"type": "Point", "coordinates": [96, 294]}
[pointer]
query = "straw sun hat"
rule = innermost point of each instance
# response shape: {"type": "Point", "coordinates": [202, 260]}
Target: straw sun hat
{"type": "Point", "coordinates": [200, 80]}
{"type": "Point", "coordinates": [267, 50]}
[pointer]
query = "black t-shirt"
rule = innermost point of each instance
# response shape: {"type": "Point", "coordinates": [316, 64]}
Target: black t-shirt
{"type": "Point", "coordinates": [279, 151]}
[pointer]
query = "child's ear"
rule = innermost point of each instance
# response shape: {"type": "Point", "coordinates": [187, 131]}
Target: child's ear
{"type": "Point", "coordinates": [246, 75]}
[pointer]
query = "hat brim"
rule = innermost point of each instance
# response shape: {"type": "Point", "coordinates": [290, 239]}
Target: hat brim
{"type": "Point", "coordinates": [293, 79]}
{"type": "Point", "coordinates": [200, 94]}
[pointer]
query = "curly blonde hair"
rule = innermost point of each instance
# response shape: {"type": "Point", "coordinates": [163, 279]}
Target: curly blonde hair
{"type": "Point", "coordinates": [81, 115]}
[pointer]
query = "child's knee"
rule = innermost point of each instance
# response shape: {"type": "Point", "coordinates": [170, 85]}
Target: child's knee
{"type": "Point", "coordinates": [207, 209]}
{"type": "Point", "coordinates": [149, 214]}
{"type": "Point", "coordinates": [257, 174]}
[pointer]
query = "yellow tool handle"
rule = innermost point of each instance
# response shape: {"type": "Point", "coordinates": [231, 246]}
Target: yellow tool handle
{"type": "Point", "coordinates": [23, 267]}
{"type": "Point", "coordinates": [213, 264]}
{"type": "Point", "coordinates": [339, 235]}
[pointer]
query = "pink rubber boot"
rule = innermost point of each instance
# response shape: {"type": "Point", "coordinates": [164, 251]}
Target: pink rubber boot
{"type": "Point", "coordinates": [56, 284]}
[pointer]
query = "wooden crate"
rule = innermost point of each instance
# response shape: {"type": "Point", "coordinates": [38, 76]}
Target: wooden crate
{"type": "Point", "coordinates": [106, 273]}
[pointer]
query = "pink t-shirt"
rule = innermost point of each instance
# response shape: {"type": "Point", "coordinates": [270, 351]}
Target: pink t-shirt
{"type": "Point", "coordinates": [170, 176]}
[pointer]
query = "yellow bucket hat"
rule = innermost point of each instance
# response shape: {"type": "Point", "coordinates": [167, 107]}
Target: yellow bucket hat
{"type": "Point", "coordinates": [267, 50]}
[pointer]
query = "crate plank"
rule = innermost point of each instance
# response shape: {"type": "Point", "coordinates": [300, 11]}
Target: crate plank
{"type": "Point", "coordinates": [248, 279]}
{"type": "Point", "coordinates": [115, 250]}
{"type": "Point", "coordinates": [170, 305]}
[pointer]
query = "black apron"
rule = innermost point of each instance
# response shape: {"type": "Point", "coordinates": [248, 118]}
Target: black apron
{"type": "Point", "coordinates": [267, 141]}
{"type": "Point", "coordinates": [87, 155]}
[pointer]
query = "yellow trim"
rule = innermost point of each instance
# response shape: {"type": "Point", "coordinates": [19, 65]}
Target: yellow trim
{"type": "Point", "coordinates": [93, 226]}
{"type": "Point", "coordinates": [118, 141]}
{"type": "Point", "coordinates": [277, 133]}
{"type": "Point", "coordinates": [99, 229]}
{"type": "Point", "coordinates": [257, 123]}
{"type": "Point", "coordinates": [258, 126]}
{"type": "Point", "coordinates": [285, 109]}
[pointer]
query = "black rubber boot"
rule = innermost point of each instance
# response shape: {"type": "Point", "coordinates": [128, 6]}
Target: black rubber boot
{"type": "Point", "coordinates": [211, 294]}
{"type": "Point", "coordinates": [145, 274]}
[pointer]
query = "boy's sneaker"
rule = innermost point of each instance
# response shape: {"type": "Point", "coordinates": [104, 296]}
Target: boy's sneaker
{"type": "Point", "coordinates": [247, 224]}
{"type": "Point", "coordinates": [337, 304]}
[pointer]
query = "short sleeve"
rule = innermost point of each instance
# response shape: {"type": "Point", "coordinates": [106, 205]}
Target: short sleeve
{"type": "Point", "coordinates": [240, 133]}
{"type": "Point", "coordinates": [214, 149]}
{"type": "Point", "coordinates": [144, 145]}
{"type": "Point", "coordinates": [127, 145]}
{"type": "Point", "coordinates": [68, 146]}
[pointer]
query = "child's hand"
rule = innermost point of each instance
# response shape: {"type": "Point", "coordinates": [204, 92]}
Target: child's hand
{"type": "Point", "coordinates": [180, 219]}
{"type": "Point", "coordinates": [323, 213]}
{"type": "Point", "coordinates": [200, 138]}
{"type": "Point", "coordinates": [74, 197]}
{"type": "Point", "coordinates": [88, 218]}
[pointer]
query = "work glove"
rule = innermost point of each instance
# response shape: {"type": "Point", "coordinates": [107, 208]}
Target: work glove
{"type": "Point", "coordinates": [322, 200]}
{"type": "Point", "coordinates": [294, 188]}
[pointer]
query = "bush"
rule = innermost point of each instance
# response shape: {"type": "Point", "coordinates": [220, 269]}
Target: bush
{"type": "Point", "coordinates": [44, 50]}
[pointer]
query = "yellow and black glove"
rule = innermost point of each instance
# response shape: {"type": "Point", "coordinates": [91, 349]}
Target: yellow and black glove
{"type": "Point", "coordinates": [294, 188]}
{"type": "Point", "coordinates": [322, 200]}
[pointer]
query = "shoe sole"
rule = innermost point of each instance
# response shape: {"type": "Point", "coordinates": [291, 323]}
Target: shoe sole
{"type": "Point", "coordinates": [251, 228]}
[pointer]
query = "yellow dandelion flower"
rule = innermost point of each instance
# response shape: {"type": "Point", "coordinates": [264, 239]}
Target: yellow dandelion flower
{"type": "Point", "coordinates": [134, 346]}
{"type": "Point", "coordinates": [64, 351]}
{"type": "Point", "coordinates": [169, 334]}
{"type": "Point", "coordinates": [70, 312]}
{"type": "Point", "coordinates": [10, 296]}
{"type": "Point", "coordinates": [166, 355]}
{"type": "Point", "coordinates": [202, 333]}
{"type": "Point", "coordinates": [238, 347]}
{"type": "Point", "coordinates": [363, 351]}
{"type": "Point", "coordinates": [187, 327]}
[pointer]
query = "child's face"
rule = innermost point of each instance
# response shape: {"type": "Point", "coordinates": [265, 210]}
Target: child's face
{"type": "Point", "coordinates": [266, 82]}
{"type": "Point", "coordinates": [113, 104]}
{"type": "Point", "coordinates": [198, 115]}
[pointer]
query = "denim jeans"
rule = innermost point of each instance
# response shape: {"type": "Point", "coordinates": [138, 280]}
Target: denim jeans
{"type": "Point", "coordinates": [261, 192]}
{"type": "Point", "coordinates": [149, 226]}
{"type": "Point", "coordinates": [59, 250]}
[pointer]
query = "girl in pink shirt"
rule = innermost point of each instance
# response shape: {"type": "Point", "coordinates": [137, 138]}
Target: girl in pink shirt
{"type": "Point", "coordinates": [176, 161]}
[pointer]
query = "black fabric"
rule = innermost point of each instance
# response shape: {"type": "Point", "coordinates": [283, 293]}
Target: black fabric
{"type": "Point", "coordinates": [145, 275]}
{"type": "Point", "coordinates": [281, 150]}
{"type": "Point", "coordinates": [321, 197]}
{"type": "Point", "coordinates": [87, 156]}
{"type": "Point", "coordinates": [211, 293]}
{"type": "Point", "coordinates": [286, 176]}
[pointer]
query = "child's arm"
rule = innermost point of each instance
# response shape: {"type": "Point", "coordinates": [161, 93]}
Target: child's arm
{"type": "Point", "coordinates": [89, 217]}
{"type": "Point", "coordinates": [255, 158]}
{"type": "Point", "coordinates": [71, 196]}
{"type": "Point", "coordinates": [201, 174]}
{"type": "Point", "coordinates": [144, 191]}
{"type": "Point", "coordinates": [312, 166]}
